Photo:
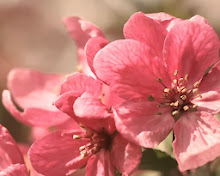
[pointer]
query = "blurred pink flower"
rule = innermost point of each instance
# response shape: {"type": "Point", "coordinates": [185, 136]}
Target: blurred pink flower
{"type": "Point", "coordinates": [159, 69]}
{"type": "Point", "coordinates": [34, 93]}
{"type": "Point", "coordinates": [12, 162]}
{"type": "Point", "coordinates": [97, 143]}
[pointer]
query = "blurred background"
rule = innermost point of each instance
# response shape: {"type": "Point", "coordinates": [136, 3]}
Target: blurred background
{"type": "Point", "coordinates": [32, 34]}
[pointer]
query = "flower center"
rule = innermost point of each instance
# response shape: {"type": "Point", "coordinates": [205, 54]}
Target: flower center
{"type": "Point", "coordinates": [178, 97]}
{"type": "Point", "coordinates": [96, 141]}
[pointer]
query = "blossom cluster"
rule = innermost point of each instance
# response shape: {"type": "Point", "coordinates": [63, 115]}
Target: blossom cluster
{"type": "Point", "coordinates": [128, 94]}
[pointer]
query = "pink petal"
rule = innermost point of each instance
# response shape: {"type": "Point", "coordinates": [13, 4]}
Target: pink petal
{"type": "Point", "coordinates": [88, 106]}
{"type": "Point", "coordinates": [33, 116]}
{"type": "Point", "coordinates": [144, 29]}
{"type": "Point", "coordinates": [15, 170]}
{"type": "Point", "coordinates": [100, 165]}
{"type": "Point", "coordinates": [9, 151]}
{"type": "Point", "coordinates": [57, 154]}
{"type": "Point", "coordinates": [166, 20]}
{"type": "Point", "coordinates": [199, 19]}
{"type": "Point", "coordinates": [197, 140]}
{"type": "Point", "coordinates": [80, 83]}
{"type": "Point", "coordinates": [209, 89]}
{"type": "Point", "coordinates": [128, 67]}
{"type": "Point", "coordinates": [192, 52]}
{"type": "Point", "coordinates": [81, 31]}
{"type": "Point", "coordinates": [92, 47]}
{"type": "Point", "coordinates": [143, 122]}
{"type": "Point", "coordinates": [125, 156]}
{"type": "Point", "coordinates": [65, 102]}
{"type": "Point", "coordinates": [31, 88]}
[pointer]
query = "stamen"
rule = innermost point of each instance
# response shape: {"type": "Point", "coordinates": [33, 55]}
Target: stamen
{"type": "Point", "coordinates": [174, 81]}
{"type": "Point", "coordinates": [183, 97]}
{"type": "Point", "coordinates": [175, 72]}
{"type": "Point", "coordinates": [185, 107]}
{"type": "Point", "coordinates": [166, 90]}
{"type": "Point", "coordinates": [195, 90]}
{"type": "Point", "coordinates": [82, 148]}
{"type": "Point", "coordinates": [183, 90]}
{"type": "Point", "coordinates": [159, 80]}
{"type": "Point", "coordinates": [199, 95]}
{"type": "Point", "coordinates": [79, 68]}
{"type": "Point", "coordinates": [180, 80]}
{"type": "Point", "coordinates": [195, 106]}
{"type": "Point", "coordinates": [150, 98]}
{"type": "Point", "coordinates": [76, 136]}
{"type": "Point", "coordinates": [175, 112]}
{"type": "Point", "coordinates": [159, 113]}
{"type": "Point", "coordinates": [186, 77]}
{"type": "Point", "coordinates": [196, 84]}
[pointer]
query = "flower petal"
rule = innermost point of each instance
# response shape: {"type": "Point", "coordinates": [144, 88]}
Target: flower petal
{"type": "Point", "coordinates": [80, 83]}
{"type": "Point", "coordinates": [15, 170]}
{"type": "Point", "coordinates": [9, 151]}
{"type": "Point", "coordinates": [100, 165]}
{"type": "Point", "coordinates": [209, 89]}
{"type": "Point", "coordinates": [92, 47]}
{"type": "Point", "coordinates": [31, 88]}
{"type": "Point", "coordinates": [192, 52]}
{"type": "Point", "coordinates": [33, 116]}
{"type": "Point", "coordinates": [57, 154]}
{"type": "Point", "coordinates": [198, 19]}
{"type": "Point", "coordinates": [166, 20]}
{"type": "Point", "coordinates": [141, 28]}
{"type": "Point", "coordinates": [88, 106]}
{"type": "Point", "coordinates": [197, 140]}
{"type": "Point", "coordinates": [81, 31]}
{"type": "Point", "coordinates": [125, 156]}
{"type": "Point", "coordinates": [128, 67]}
{"type": "Point", "coordinates": [143, 122]}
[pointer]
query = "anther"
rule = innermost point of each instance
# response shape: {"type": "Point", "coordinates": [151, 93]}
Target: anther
{"type": "Point", "coordinates": [159, 80]}
{"type": "Point", "coordinates": [175, 112]}
{"type": "Point", "coordinates": [165, 95]}
{"type": "Point", "coordinates": [183, 90]}
{"type": "Point", "coordinates": [82, 148]}
{"type": "Point", "coordinates": [186, 77]}
{"type": "Point", "coordinates": [76, 136]}
{"type": "Point", "coordinates": [195, 106]}
{"type": "Point", "coordinates": [180, 80]}
{"type": "Point", "coordinates": [174, 81]}
{"type": "Point", "coordinates": [183, 97]}
{"type": "Point", "coordinates": [166, 90]}
{"type": "Point", "coordinates": [175, 72]}
{"type": "Point", "coordinates": [199, 95]}
{"type": "Point", "coordinates": [159, 113]}
{"type": "Point", "coordinates": [83, 154]}
{"type": "Point", "coordinates": [196, 84]}
{"type": "Point", "coordinates": [195, 90]}
{"type": "Point", "coordinates": [185, 108]}
{"type": "Point", "coordinates": [150, 98]}
{"type": "Point", "coordinates": [80, 68]}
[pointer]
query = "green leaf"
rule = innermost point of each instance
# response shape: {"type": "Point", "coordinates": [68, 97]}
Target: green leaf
{"type": "Point", "coordinates": [157, 160]}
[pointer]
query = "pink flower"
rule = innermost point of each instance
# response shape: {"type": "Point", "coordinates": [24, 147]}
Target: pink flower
{"type": "Point", "coordinates": [97, 145]}
{"type": "Point", "coordinates": [12, 162]}
{"type": "Point", "coordinates": [160, 73]}
{"type": "Point", "coordinates": [34, 93]}
{"type": "Point", "coordinates": [81, 31]}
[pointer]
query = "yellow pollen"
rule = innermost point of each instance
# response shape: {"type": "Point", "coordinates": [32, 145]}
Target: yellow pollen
{"type": "Point", "coordinates": [175, 72]}
{"type": "Point", "coordinates": [183, 97]}
{"type": "Point", "coordinates": [196, 84]}
{"type": "Point", "coordinates": [83, 154]}
{"type": "Point", "coordinates": [186, 77]}
{"type": "Point", "coordinates": [159, 80]}
{"type": "Point", "coordinates": [76, 136]}
{"type": "Point", "coordinates": [175, 112]}
{"type": "Point", "coordinates": [185, 107]}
